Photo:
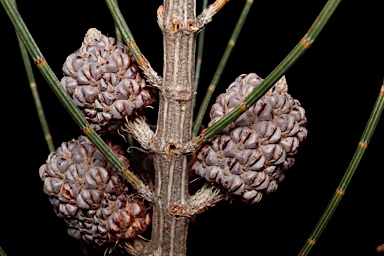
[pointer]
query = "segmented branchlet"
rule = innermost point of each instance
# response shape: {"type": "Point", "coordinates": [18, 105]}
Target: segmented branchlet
{"type": "Point", "coordinates": [249, 157]}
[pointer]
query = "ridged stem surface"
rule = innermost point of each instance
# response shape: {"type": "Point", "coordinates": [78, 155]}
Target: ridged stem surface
{"type": "Point", "coordinates": [174, 124]}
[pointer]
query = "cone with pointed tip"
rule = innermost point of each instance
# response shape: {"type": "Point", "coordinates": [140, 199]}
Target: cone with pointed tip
{"type": "Point", "coordinates": [95, 201]}
{"type": "Point", "coordinates": [249, 157]}
{"type": "Point", "coordinates": [104, 81]}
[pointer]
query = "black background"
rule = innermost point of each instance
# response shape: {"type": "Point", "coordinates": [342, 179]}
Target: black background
{"type": "Point", "coordinates": [337, 82]}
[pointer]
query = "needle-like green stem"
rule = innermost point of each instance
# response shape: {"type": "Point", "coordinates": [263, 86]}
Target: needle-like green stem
{"type": "Point", "coordinates": [2, 253]}
{"type": "Point", "coordinates": [199, 57]}
{"type": "Point", "coordinates": [338, 195]}
{"type": "Point", "coordinates": [35, 95]}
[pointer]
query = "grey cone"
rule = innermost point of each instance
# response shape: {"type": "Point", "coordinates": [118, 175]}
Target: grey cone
{"type": "Point", "coordinates": [250, 156]}
{"type": "Point", "coordinates": [104, 81]}
{"type": "Point", "coordinates": [93, 199]}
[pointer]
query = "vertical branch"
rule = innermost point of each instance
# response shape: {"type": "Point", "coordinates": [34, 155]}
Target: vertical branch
{"type": "Point", "coordinates": [177, 20]}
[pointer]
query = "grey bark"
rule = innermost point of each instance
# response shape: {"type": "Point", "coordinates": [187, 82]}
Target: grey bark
{"type": "Point", "coordinates": [177, 20]}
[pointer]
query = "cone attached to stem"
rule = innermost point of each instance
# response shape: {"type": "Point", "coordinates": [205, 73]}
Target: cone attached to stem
{"type": "Point", "coordinates": [95, 201]}
{"type": "Point", "coordinates": [105, 82]}
{"type": "Point", "coordinates": [249, 157]}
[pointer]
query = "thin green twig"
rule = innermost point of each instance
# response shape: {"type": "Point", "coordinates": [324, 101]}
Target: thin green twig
{"type": "Point", "coordinates": [272, 78]}
{"type": "Point", "coordinates": [122, 25]}
{"type": "Point", "coordinates": [40, 111]}
{"type": "Point", "coordinates": [2, 253]}
{"type": "Point", "coordinates": [221, 66]}
{"type": "Point", "coordinates": [36, 97]}
{"type": "Point", "coordinates": [340, 191]}
{"type": "Point", "coordinates": [35, 94]}
{"type": "Point", "coordinates": [67, 102]}
{"type": "Point", "coordinates": [199, 57]}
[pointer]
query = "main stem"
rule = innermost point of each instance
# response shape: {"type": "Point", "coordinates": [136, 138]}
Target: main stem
{"type": "Point", "coordinates": [177, 20]}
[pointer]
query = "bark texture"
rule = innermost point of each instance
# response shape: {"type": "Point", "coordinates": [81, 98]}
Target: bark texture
{"type": "Point", "coordinates": [177, 20]}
